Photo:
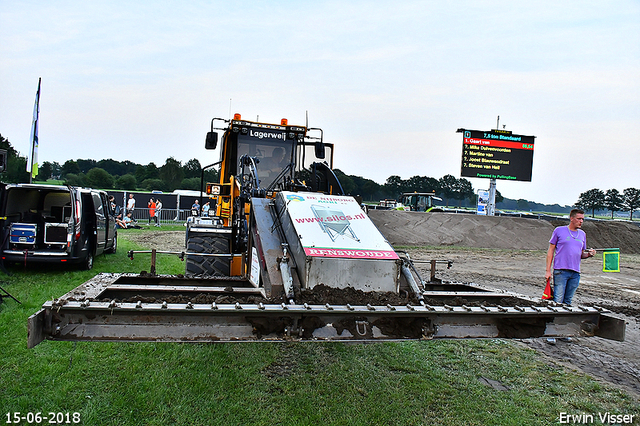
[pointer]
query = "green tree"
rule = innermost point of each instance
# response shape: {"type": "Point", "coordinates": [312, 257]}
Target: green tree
{"type": "Point", "coordinates": [190, 183]}
{"type": "Point", "coordinates": [69, 166]}
{"type": "Point", "coordinates": [113, 167]}
{"type": "Point", "coordinates": [368, 189]}
{"type": "Point", "coordinates": [140, 173]}
{"type": "Point", "coordinates": [463, 190]}
{"type": "Point", "coordinates": [73, 179]}
{"type": "Point", "coordinates": [211, 175]}
{"type": "Point", "coordinates": [55, 170]}
{"type": "Point", "coordinates": [86, 165]}
{"type": "Point", "coordinates": [99, 178]}
{"type": "Point", "coordinates": [150, 171]}
{"type": "Point", "coordinates": [192, 169]}
{"type": "Point", "coordinates": [522, 204]}
{"type": "Point", "coordinates": [171, 174]}
{"type": "Point", "coordinates": [347, 183]}
{"type": "Point", "coordinates": [127, 182]}
{"type": "Point", "coordinates": [448, 187]}
{"type": "Point", "coordinates": [153, 185]}
{"type": "Point", "coordinates": [422, 184]}
{"type": "Point", "coordinates": [631, 200]}
{"type": "Point", "coordinates": [393, 186]}
{"type": "Point", "coordinates": [16, 168]}
{"type": "Point", "coordinates": [44, 171]}
{"type": "Point", "coordinates": [592, 200]}
{"type": "Point", "coordinates": [613, 201]}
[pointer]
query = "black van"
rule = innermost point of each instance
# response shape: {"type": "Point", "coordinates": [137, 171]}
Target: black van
{"type": "Point", "coordinates": [55, 224]}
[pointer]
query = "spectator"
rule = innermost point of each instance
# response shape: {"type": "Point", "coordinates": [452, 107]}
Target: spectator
{"type": "Point", "coordinates": [205, 209]}
{"type": "Point", "coordinates": [126, 222]}
{"type": "Point", "coordinates": [195, 208]}
{"type": "Point", "coordinates": [152, 211]}
{"type": "Point", "coordinates": [158, 212]}
{"type": "Point", "coordinates": [130, 222]}
{"type": "Point", "coordinates": [112, 204]}
{"type": "Point", "coordinates": [131, 204]}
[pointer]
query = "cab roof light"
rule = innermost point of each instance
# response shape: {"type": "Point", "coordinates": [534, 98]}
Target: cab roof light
{"type": "Point", "coordinates": [284, 122]}
{"type": "Point", "coordinates": [237, 116]}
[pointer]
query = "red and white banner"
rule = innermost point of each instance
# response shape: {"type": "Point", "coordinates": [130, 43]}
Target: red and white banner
{"type": "Point", "coordinates": [335, 226]}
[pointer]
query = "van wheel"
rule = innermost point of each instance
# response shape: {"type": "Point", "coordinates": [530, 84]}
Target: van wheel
{"type": "Point", "coordinates": [208, 265]}
{"type": "Point", "coordinates": [87, 263]}
{"type": "Point", "coordinates": [113, 248]}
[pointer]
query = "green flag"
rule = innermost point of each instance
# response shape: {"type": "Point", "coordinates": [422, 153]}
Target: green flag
{"type": "Point", "coordinates": [611, 260]}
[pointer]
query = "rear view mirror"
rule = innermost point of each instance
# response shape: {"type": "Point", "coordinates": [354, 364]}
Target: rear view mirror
{"type": "Point", "coordinates": [319, 150]}
{"type": "Point", "coordinates": [211, 141]}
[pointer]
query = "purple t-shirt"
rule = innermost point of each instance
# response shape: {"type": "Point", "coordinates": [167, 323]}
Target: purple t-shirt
{"type": "Point", "coordinates": [569, 245]}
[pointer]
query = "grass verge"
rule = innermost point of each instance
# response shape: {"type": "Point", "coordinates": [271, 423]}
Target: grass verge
{"type": "Point", "coordinates": [410, 383]}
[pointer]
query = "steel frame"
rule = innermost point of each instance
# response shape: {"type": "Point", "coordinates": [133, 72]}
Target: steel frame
{"type": "Point", "coordinates": [85, 314]}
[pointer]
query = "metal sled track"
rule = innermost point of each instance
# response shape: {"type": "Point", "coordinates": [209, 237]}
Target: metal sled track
{"type": "Point", "coordinates": [80, 315]}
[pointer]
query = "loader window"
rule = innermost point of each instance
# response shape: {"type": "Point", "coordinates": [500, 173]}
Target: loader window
{"type": "Point", "coordinates": [273, 156]}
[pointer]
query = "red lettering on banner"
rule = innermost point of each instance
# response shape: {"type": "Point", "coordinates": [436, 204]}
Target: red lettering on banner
{"type": "Point", "coordinates": [351, 254]}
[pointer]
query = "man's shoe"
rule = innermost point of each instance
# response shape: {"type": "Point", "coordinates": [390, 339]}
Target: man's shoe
{"type": "Point", "coordinates": [551, 340]}
{"type": "Point", "coordinates": [566, 339]}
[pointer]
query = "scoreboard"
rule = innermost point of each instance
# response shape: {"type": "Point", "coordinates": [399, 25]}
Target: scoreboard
{"type": "Point", "coordinates": [496, 154]}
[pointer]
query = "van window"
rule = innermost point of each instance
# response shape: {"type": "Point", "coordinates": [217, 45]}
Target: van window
{"type": "Point", "coordinates": [97, 203]}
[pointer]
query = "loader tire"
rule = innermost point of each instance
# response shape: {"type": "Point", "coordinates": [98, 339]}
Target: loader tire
{"type": "Point", "coordinates": [208, 265]}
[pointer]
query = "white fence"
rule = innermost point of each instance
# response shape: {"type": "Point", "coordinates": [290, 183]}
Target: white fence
{"type": "Point", "coordinates": [166, 216]}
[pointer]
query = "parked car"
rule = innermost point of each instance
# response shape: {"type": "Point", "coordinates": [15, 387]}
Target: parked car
{"type": "Point", "coordinates": [55, 224]}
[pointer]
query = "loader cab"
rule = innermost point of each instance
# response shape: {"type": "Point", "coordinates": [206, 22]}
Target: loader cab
{"type": "Point", "coordinates": [270, 145]}
{"type": "Point", "coordinates": [283, 153]}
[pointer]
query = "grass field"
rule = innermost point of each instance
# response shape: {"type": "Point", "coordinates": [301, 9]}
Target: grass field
{"type": "Point", "coordinates": [411, 383]}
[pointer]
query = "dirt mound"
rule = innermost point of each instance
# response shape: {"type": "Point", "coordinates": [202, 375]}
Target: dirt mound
{"type": "Point", "coordinates": [499, 232]}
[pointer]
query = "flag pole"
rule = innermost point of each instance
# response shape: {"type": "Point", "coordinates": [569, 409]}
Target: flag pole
{"type": "Point", "coordinates": [34, 133]}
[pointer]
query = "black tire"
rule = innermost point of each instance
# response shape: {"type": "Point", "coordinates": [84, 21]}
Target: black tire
{"type": "Point", "coordinates": [208, 265]}
{"type": "Point", "coordinates": [87, 262]}
{"type": "Point", "coordinates": [113, 248]}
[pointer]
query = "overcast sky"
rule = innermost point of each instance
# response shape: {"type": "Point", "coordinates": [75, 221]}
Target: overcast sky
{"type": "Point", "coordinates": [389, 82]}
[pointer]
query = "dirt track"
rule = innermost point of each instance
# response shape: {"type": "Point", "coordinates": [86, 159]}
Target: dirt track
{"type": "Point", "coordinates": [509, 254]}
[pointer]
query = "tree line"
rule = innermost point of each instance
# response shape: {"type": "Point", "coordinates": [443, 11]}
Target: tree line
{"type": "Point", "coordinates": [109, 174]}
{"type": "Point", "coordinates": [449, 188]}
{"type": "Point", "coordinates": [611, 200]}
{"type": "Point", "coordinates": [127, 175]}
{"type": "Point", "coordinates": [130, 176]}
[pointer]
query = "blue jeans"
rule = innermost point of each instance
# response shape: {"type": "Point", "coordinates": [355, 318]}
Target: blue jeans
{"type": "Point", "coordinates": [565, 284]}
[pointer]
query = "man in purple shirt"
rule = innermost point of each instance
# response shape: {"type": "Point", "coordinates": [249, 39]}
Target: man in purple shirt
{"type": "Point", "coordinates": [569, 244]}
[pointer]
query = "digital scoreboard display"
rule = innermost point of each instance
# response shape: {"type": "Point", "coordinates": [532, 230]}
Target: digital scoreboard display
{"type": "Point", "coordinates": [497, 154]}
